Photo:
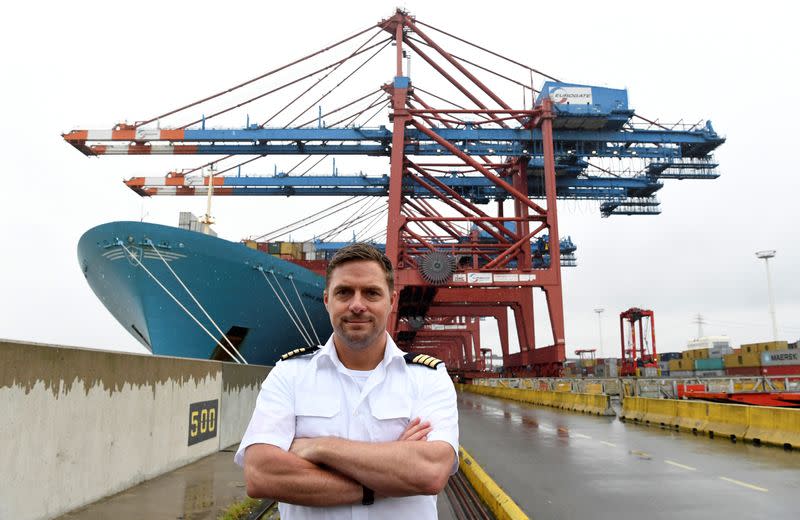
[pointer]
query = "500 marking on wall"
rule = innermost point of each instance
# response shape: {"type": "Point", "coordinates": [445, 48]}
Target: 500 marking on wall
{"type": "Point", "coordinates": [202, 421]}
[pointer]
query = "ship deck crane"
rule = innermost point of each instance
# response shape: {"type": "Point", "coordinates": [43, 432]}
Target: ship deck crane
{"type": "Point", "coordinates": [447, 161]}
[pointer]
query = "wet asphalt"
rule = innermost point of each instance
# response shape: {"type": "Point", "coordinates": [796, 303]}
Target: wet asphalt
{"type": "Point", "coordinates": [560, 465]}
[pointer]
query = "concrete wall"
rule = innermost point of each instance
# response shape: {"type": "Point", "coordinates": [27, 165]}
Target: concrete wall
{"type": "Point", "coordinates": [240, 387]}
{"type": "Point", "coordinates": [77, 425]}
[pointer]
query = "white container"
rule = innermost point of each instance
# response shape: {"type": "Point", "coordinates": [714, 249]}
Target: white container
{"type": "Point", "coordinates": [773, 358]}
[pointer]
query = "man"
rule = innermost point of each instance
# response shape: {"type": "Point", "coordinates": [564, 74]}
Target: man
{"type": "Point", "coordinates": [355, 429]}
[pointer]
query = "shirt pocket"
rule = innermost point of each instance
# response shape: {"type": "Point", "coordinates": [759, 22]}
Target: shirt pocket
{"type": "Point", "coordinates": [317, 416]}
{"type": "Point", "coordinates": [390, 416]}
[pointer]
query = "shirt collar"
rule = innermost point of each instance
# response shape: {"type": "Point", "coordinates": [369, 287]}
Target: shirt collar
{"type": "Point", "coordinates": [390, 353]}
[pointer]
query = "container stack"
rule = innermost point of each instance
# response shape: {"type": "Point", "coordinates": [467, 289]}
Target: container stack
{"type": "Point", "coordinates": [606, 368]}
{"type": "Point", "coordinates": [285, 250]}
{"type": "Point", "coordinates": [781, 359]}
{"type": "Point", "coordinates": [189, 221]}
{"type": "Point", "coordinates": [682, 367]}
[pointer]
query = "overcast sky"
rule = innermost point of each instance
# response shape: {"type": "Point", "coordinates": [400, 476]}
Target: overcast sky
{"type": "Point", "coordinates": [92, 65]}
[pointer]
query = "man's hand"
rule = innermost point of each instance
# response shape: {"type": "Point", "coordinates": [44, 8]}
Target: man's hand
{"type": "Point", "coordinates": [273, 473]}
{"type": "Point", "coordinates": [417, 430]}
{"type": "Point", "coordinates": [304, 448]}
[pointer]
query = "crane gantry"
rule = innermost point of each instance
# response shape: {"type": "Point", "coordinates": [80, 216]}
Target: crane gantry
{"type": "Point", "coordinates": [471, 188]}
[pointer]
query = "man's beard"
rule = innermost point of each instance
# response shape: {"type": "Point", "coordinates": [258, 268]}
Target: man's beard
{"type": "Point", "coordinates": [356, 341]}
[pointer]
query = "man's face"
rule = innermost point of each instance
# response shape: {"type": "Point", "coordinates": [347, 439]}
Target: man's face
{"type": "Point", "coordinates": [358, 301]}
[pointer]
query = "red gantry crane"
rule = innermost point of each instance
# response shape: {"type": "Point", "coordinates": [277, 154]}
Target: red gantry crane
{"type": "Point", "coordinates": [471, 214]}
{"type": "Point", "coordinates": [639, 355]}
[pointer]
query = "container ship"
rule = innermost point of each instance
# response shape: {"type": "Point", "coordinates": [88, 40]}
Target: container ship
{"type": "Point", "coordinates": [184, 292]}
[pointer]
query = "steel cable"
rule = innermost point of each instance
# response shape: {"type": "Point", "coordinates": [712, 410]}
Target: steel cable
{"type": "Point", "coordinates": [155, 279]}
{"type": "Point", "coordinates": [277, 296]}
{"type": "Point", "coordinates": [214, 323]}
{"type": "Point", "coordinates": [248, 82]}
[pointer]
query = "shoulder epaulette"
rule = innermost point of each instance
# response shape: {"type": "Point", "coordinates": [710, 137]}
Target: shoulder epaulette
{"type": "Point", "coordinates": [422, 359]}
{"type": "Point", "coordinates": [299, 352]}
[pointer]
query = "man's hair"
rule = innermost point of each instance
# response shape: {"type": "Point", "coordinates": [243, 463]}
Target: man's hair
{"type": "Point", "coordinates": [359, 252]}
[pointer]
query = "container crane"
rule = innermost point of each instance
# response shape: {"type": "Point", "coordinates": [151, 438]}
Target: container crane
{"type": "Point", "coordinates": [639, 355]}
{"type": "Point", "coordinates": [455, 258]}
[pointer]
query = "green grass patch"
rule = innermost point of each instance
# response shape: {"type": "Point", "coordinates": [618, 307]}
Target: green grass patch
{"type": "Point", "coordinates": [240, 510]}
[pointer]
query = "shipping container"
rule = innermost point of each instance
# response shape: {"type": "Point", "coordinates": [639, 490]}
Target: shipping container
{"type": "Point", "coordinates": [185, 218]}
{"type": "Point", "coordinates": [719, 352]}
{"type": "Point", "coordinates": [715, 346]}
{"type": "Point", "coordinates": [743, 359]}
{"type": "Point", "coordinates": [742, 371]}
{"type": "Point", "coordinates": [781, 370]}
{"type": "Point", "coordinates": [681, 373]}
{"type": "Point", "coordinates": [709, 364]}
{"type": "Point", "coordinates": [286, 248]}
{"type": "Point", "coordinates": [765, 346]}
{"type": "Point", "coordinates": [649, 372]}
{"type": "Point", "coordinates": [709, 373]}
{"type": "Point", "coordinates": [317, 266]}
{"type": "Point", "coordinates": [263, 246]}
{"type": "Point", "coordinates": [251, 244]}
{"type": "Point", "coordinates": [274, 248]}
{"type": "Point", "coordinates": [780, 357]}
{"type": "Point", "coordinates": [698, 353]}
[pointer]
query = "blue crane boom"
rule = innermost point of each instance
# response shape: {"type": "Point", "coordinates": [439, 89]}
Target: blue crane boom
{"type": "Point", "coordinates": [584, 133]}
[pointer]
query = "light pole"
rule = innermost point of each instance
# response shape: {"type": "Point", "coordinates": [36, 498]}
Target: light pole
{"type": "Point", "coordinates": [599, 311]}
{"type": "Point", "coordinates": [766, 255]}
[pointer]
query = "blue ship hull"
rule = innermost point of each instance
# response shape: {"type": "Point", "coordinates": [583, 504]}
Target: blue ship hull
{"type": "Point", "coordinates": [226, 278]}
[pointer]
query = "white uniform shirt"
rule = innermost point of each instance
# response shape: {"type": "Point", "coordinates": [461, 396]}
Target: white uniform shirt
{"type": "Point", "coordinates": [315, 396]}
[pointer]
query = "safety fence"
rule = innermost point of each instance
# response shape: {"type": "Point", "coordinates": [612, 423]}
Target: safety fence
{"type": "Point", "coordinates": [656, 387]}
{"type": "Point", "coordinates": [758, 424]}
{"type": "Point", "coordinates": [599, 404]}
{"type": "Point", "coordinates": [580, 386]}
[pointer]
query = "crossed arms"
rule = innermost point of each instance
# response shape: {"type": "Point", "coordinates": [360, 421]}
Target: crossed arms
{"type": "Point", "coordinates": [328, 471]}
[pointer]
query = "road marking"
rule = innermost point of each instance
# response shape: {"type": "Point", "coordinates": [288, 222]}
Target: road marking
{"type": "Point", "coordinates": [745, 484]}
{"type": "Point", "coordinates": [580, 436]}
{"type": "Point", "coordinates": [641, 454]}
{"type": "Point", "coordinates": [678, 464]}
{"type": "Point", "coordinates": [608, 444]}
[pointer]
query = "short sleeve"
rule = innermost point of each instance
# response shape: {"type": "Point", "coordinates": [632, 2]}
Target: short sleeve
{"type": "Point", "coordinates": [273, 420]}
{"type": "Point", "coordinates": [437, 404]}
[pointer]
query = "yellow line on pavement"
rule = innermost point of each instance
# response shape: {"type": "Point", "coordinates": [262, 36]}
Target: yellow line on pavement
{"type": "Point", "coordinates": [678, 464]}
{"type": "Point", "coordinates": [745, 484]}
